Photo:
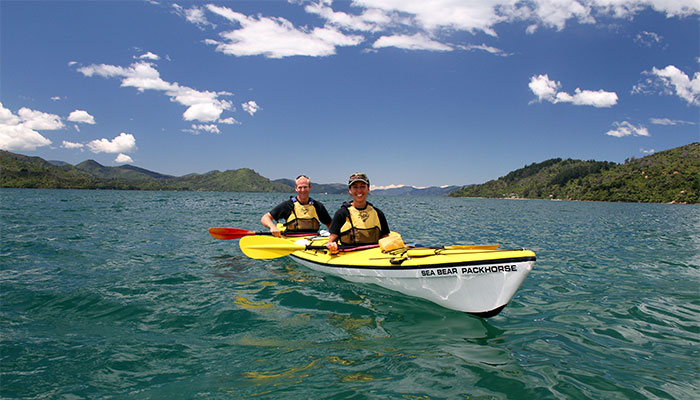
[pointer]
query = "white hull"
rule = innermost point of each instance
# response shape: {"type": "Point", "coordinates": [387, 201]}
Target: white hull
{"type": "Point", "coordinates": [477, 288]}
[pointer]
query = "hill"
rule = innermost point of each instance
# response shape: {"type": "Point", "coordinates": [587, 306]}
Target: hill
{"type": "Point", "coordinates": [19, 171]}
{"type": "Point", "coordinates": [339, 188]}
{"type": "Point", "coordinates": [667, 176]}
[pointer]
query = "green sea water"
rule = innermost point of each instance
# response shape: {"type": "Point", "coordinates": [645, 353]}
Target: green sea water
{"type": "Point", "coordinates": [116, 294]}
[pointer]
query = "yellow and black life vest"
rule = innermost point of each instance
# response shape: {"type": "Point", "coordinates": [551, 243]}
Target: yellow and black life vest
{"type": "Point", "coordinates": [363, 226]}
{"type": "Point", "coordinates": [303, 217]}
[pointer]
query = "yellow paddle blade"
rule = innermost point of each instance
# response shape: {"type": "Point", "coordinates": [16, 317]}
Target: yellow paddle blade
{"type": "Point", "coordinates": [262, 247]}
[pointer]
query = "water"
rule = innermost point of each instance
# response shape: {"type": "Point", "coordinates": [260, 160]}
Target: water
{"type": "Point", "coordinates": [113, 294]}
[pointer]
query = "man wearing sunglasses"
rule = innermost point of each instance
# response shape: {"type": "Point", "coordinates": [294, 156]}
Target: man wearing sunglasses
{"type": "Point", "coordinates": [357, 222]}
{"type": "Point", "coordinates": [301, 213]}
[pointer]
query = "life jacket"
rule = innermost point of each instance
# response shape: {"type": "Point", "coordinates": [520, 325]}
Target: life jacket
{"type": "Point", "coordinates": [363, 226]}
{"type": "Point", "coordinates": [303, 217]}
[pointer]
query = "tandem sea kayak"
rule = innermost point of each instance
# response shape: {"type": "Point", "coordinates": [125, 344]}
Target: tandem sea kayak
{"type": "Point", "coordinates": [478, 280]}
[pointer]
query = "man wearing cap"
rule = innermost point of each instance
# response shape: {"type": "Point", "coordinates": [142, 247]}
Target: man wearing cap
{"type": "Point", "coordinates": [301, 213]}
{"type": "Point", "coordinates": [357, 222]}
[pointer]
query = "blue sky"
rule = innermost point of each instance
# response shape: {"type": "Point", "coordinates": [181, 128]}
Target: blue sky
{"type": "Point", "coordinates": [423, 93]}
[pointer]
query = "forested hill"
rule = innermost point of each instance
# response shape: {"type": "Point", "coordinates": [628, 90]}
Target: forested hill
{"type": "Point", "coordinates": [664, 177]}
{"type": "Point", "coordinates": [19, 171]}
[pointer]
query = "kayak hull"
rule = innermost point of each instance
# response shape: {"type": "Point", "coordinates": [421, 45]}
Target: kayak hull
{"type": "Point", "coordinates": [473, 281]}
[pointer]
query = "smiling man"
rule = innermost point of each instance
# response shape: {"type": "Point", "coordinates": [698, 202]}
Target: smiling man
{"type": "Point", "coordinates": [357, 222]}
{"type": "Point", "coordinates": [301, 213]}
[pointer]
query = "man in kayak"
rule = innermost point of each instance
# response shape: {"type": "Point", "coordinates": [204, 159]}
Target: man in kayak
{"type": "Point", "coordinates": [357, 222]}
{"type": "Point", "coordinates": [301, 213]}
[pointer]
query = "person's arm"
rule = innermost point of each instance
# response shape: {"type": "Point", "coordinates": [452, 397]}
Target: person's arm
{"type": "Point", "coordinates": [270, 224]}
{"type": "Point", "coordinates": [338, 220]}
{"type": "Point", "coordinates": [332, 245]}
{"type": "Point", "coordinates": [385, 231]}
{"type": "Point", "coordinates": [323, 215]}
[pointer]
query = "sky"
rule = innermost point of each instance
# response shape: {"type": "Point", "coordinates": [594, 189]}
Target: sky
{"type": "Point", "coordinates": [410, 92]}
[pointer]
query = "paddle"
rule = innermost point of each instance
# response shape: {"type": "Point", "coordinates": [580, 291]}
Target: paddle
{"type": "Point", "coordinates": [271, 247]}
{"type": "Point", "coordinates": [473, 247]}
{"type": "Point", "coordinates": [262, 247]}
{"type": "Point", "coordinates": [234, 233]}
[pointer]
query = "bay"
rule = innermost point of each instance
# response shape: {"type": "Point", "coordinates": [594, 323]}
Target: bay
{"type": "Point", "coordinates": [124, 294]}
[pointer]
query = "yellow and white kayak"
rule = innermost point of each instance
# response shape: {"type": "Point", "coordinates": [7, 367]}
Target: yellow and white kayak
{"type": "Point", "coordinates": [479, 280]}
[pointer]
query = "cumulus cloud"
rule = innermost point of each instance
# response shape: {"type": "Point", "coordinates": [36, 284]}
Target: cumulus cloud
{"type": "Point", "coordinates": [123, 159]}
{"type": "Point", "coordinates": [202, 106]}
{"type": "Point", "coordinates": [19, 132]}
{"type": "Point", "coordinates": [625, 128]}
{"type": "Point", "coordinates": [229, 121]}
{"type": "Point", "coordinates": [414, 42]}
{"type": "Point", "coordinates": [81, 116]}
{"type": "Point", "coordinates": [71, 145]}
{"type": "Point", "coordinates": [198, 128]}
{"type": "Point", "coordinates": [672, 81]}
{"type": "Point", "coordinates": [18, 137]}
{"type": "Point", "coordinates": [38, 120]}
{"type": "Point", "coordinates": [149, 56]}
{"type": "Point", "coordinates": [389, 23]}
{"type": "Point", "coordinates": [124, 143]}
{"type": "Point", "coordinates": [548, 90]}
{"type": "Point", "coordinates": [276, 37]}
{"type": "Point", "coordinates": [251, 107]}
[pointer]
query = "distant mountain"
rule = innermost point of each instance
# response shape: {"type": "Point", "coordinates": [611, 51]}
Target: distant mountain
{"type": "Point", "coordinates": [326, 188]}
{"type": "Point", "coordinates": [414, 191]}
{"type": "Point", "coordinates": [19, 171]}
{"type": "Point", "coordinates": [667, 176]}
{"type": "Point", "coordinates": [339, 188]}
{"type": "Point", "coordinates": [126, 172]}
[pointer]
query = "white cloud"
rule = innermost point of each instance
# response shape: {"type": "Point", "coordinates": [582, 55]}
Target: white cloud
{"type": "Point", "coordinates": [203, 106]}
{"type": "Point", "coordinates": [123, 158]}
{"type": "Point", "coordinates": [81, 116]}
{"type": "Point", "coordinates": [649, 151]}
{"type": "Point", "coordinates": [418, 41]}
{"type": "Point", "coordinates": [622, 129]}
{"type": "Point", "coordinates": [276, 37]}
{"type": "Point", "coordinates": [40, 120]}
{"type": "Point", "coordinates": [648, 39]}
{"type": "Point", "coordinates": [7, 117]}
{"type": "Point", "coordinates": [544, 88]}
{"type": "Point", "coordinates": [547, 89]}
{"type": "Point", "coordinates": [71, 145]}
{"type": "Point", "coordinates": [124, 143]}
{"type": "Point", "coordinates": [194, 15]}
{"type": "Point", "coordinates": [18, 135]}
{"type": "Point", "coordinates": [676, 81]}
{"type": "Point", "coordinates": [668, 121]}
{"type": "Point", "coordinates": [394, 21]}
{"type": "Point", "coordinates": [229, 121]}
{"type": "Point", "coordinates": [484, 47]}
{"type": "Point", "coordinates": [149, 56]}
{"type": "Point", "coordinates": [251, 107]}
{"type": "Point", "coordinates": [371, 20]}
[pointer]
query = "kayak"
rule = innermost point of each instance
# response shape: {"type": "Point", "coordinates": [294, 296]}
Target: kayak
{"type": "Point", "coordinates": [478, 280]}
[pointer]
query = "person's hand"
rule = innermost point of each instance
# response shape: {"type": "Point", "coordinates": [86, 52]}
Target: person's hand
{"type": "Point", "coordinates": [332, 247]}
{"type": "Point", "coordinates": [275, 231]}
